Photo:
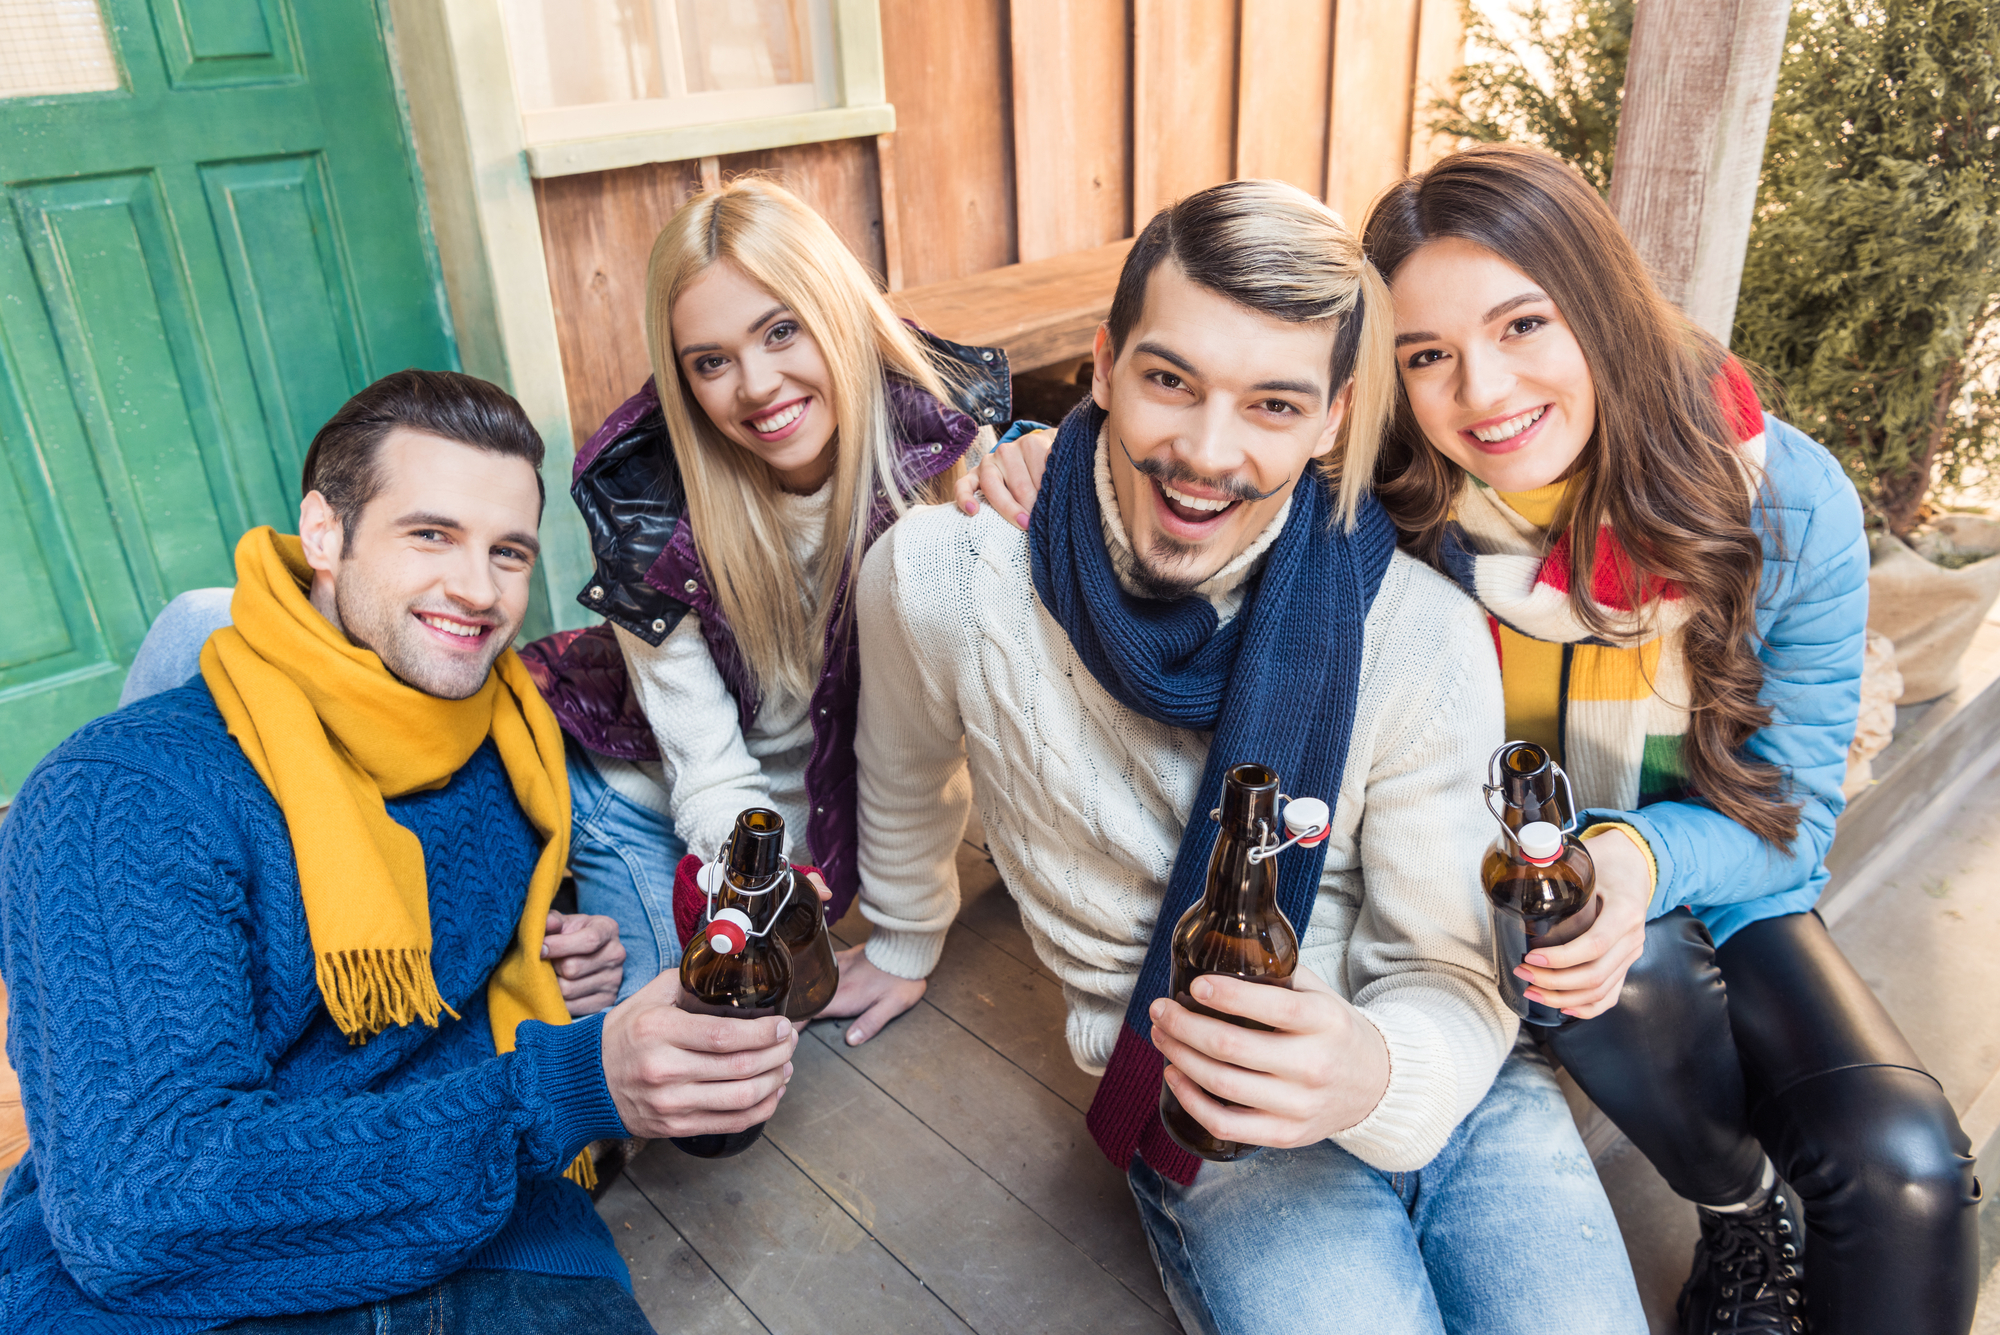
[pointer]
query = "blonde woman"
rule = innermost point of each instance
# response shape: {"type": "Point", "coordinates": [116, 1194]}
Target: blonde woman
{"type": "Point", "coordinates": [790, 419]}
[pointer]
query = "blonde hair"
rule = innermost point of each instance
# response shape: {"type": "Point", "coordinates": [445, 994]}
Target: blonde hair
{"type": "Point", "coordinates": [1274, 248]}
{"type": "Point", "coordinates": [787, 249]}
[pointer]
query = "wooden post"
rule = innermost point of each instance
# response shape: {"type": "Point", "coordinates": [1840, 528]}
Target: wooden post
{"type": "Point", "coordinates": [1698, 91]}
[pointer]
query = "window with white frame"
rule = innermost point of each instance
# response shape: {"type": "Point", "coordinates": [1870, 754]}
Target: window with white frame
{"type": "Point", "coordinates": [587, 68]}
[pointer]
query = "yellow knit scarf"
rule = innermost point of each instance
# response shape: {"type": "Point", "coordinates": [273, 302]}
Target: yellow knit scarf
{"type": "Point", "coordinates": [332, 733]}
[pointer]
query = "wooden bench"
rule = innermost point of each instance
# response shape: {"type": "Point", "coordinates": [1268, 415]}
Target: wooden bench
{"type": "Point", "coordinates": [1041, 312]}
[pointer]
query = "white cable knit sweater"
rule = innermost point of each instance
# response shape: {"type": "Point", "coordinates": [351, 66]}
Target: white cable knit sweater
{"type": "Point", "coordinates": [966, 676]}
{"type": "Point", "coordinates": [710, 768]}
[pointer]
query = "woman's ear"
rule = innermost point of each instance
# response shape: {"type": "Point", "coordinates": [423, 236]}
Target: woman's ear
{"type": "Point", "coordinates": [321, 534]}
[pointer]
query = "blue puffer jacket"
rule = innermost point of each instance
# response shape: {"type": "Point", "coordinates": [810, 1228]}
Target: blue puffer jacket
{"type": "Point", "coordinates": [1812, 611]}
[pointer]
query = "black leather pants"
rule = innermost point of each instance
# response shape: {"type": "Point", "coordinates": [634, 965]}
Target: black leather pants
{"type": "Point", "coordinates": [1774, 1044]}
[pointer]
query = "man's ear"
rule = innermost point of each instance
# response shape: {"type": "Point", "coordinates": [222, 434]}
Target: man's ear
{"type": "Point", "coordinates": [1336, 413]}
{"type": "Point", "coordinates": [1101, 357]}
{"type": "Point", "coordinates": [320, 533]}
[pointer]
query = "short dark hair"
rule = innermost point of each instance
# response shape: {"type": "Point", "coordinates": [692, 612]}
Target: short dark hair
{"type": "Point", "coordinates": [1262, 244]}
{"type": "Point", "coordinates": [341, 465]}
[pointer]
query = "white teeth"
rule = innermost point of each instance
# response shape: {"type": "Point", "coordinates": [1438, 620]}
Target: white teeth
{"type": "Point", "coordinates": [458, 628]}
{"type": "Point", "coordinates": [1512, 427]}
{"type": "Point", "coordinates": [1197, 502]}
{"type": "Point", "coordinates": [779, 420]}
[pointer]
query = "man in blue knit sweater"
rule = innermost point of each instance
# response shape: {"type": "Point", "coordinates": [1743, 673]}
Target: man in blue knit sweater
{"type": "Point", "coordinates": [284, 984]}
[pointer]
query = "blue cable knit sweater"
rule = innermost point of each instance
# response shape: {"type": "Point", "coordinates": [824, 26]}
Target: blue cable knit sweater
{"type": "Point", "coordinates": [206, 1143]}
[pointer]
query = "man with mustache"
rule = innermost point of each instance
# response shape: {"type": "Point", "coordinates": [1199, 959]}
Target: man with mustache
{"type": "Point", "coordinates": [279, 947]}
{"type": "Point", "coordinates": [1206, 582]}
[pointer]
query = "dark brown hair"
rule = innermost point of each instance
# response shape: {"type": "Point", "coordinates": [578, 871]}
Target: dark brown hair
{"type": "Point", "coordinates": [1274, 249]}
{"type": "Point", "coordinates": [341, 465]}
{"type": "Point", "coordinates": [1660, 468]}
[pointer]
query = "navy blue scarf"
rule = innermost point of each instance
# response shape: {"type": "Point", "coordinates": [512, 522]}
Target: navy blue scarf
{"type": "Point", "coordinates": [1276, 685]}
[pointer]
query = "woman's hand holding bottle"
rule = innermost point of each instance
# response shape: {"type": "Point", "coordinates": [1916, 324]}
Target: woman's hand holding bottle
{"type": "Point", "coordinates": [1582, 978]}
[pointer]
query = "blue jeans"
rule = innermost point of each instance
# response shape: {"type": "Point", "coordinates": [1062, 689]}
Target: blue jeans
{"type": "Point", "coordinates": [623, 857]}
{"type": "Point", "coordinates": [476, 1302]}
{"type": "Point", "coordinates": [171, 651]}
{"type": "Point", "coordinates": [1506, 1230]}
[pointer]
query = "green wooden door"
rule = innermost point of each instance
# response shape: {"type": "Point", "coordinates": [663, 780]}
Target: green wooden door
{"type": "Point", "coordinates": [196, 269]}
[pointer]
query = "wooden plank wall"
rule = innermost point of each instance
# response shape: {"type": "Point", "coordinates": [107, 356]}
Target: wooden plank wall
{"type": "Point", "coordinates": [1035, 128]}
{"type": "Point", "coordinates": [598, 231]}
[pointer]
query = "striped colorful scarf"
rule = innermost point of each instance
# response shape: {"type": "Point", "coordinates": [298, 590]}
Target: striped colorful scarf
{"type": "Point", "coordinates": [1624, 718]}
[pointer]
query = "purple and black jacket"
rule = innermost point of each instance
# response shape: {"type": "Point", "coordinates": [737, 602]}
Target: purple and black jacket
{"type": "Point", "coordinates": [648, 576]}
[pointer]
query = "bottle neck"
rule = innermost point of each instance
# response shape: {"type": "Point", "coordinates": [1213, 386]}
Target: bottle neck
{"type": "Point", "coordinates": [752, 863]}
{"type": "Point", "coordinates": [1237, 885]}
{"type": "Point", "coordinates": [761, 908]}
{"type": "Point", "coordinates": [1528, 786]}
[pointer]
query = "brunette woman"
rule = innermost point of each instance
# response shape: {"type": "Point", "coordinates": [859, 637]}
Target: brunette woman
{"type": "Point", "coordinates": [790, 418]}
{"type": "Point", "coordinates": [1678, 588]}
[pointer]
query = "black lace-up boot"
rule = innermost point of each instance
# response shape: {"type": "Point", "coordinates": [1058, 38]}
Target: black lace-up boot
{"type": "Point", "coordinates": [1748, 1279]}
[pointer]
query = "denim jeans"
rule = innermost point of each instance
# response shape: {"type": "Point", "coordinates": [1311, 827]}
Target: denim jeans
{"type": "Point", "coordinates": [171, 651]}
{"type": "Point", "coordinates": [1506, 1230]}
{"type": "Point", "coordinates": [623, 857]}
{"type": "Point", "coordinates": [477, 1302]}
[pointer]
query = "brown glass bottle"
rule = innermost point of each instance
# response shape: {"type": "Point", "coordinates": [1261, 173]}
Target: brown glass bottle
{"type": "Point", "coordinates": [737, 965]}
{"type": "Point", "coordinates": [802, 927]}
{"type": "Point", "coordinates": [1236, 929]}
{"type": "Point", "coordinates": [1540, 883]}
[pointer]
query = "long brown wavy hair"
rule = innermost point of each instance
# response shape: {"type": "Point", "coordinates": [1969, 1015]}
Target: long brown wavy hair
{"type": "Point", "coordinates": [1661, 468]}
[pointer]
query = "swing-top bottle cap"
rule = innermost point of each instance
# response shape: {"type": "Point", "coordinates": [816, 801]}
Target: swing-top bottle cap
{"type": "Point", "coordinates": [1541, 842]}
{"type": "Point", "coordinates": [1303, 815]}
{"type": "Point", "coordinates": [727, 931]}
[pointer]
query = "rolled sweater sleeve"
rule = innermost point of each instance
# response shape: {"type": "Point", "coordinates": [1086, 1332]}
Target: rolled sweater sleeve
{"type": "Point", "coordinates": [914, 788]}
{"type": "Point", "coordinates": [174, 1177]}
{"type": "Point", "coordinates": [1419, 963]}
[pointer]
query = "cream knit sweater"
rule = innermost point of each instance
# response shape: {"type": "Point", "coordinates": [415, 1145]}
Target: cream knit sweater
{"type": "Point", "coordinates": [710, 768]}
{"type": "Point", "coordinates": [971, 691]}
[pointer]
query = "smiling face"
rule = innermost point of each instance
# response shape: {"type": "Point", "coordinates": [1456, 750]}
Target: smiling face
{"type": "Point", "coordinates": [435, 577]}
{"type": "Point", "coordinates": [757, 373]}
{"type": "Point", "coordinates": [1215, 411]}
{"type": "Point", "coordinates": [1494, 376]}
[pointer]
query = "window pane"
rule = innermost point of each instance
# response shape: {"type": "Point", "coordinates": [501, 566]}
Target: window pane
{"type": "Point", "coordinates": [735, 44]}
{"type": "Point", "coordinates": [54, 46]}
{"type": "Point", "coordinates": [570, 53]}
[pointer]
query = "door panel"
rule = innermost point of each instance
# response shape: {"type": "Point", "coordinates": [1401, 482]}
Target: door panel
{"type": "Point", "coordinates": [221, 43]}
{"type": "Point", "coordinates": [52, 650]}
{"type": "Point", "coordinates": [112, 289]}
{"type": "Point", "coordinates": [195, 270]}
{"type": "Point", "coordinates": [292, 293]}
{"type": "Point", "coordinates": [32, 626]}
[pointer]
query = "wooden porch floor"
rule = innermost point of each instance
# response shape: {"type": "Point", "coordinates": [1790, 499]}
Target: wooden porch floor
{"type": "Point", "coordinates": [937, 1178]}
